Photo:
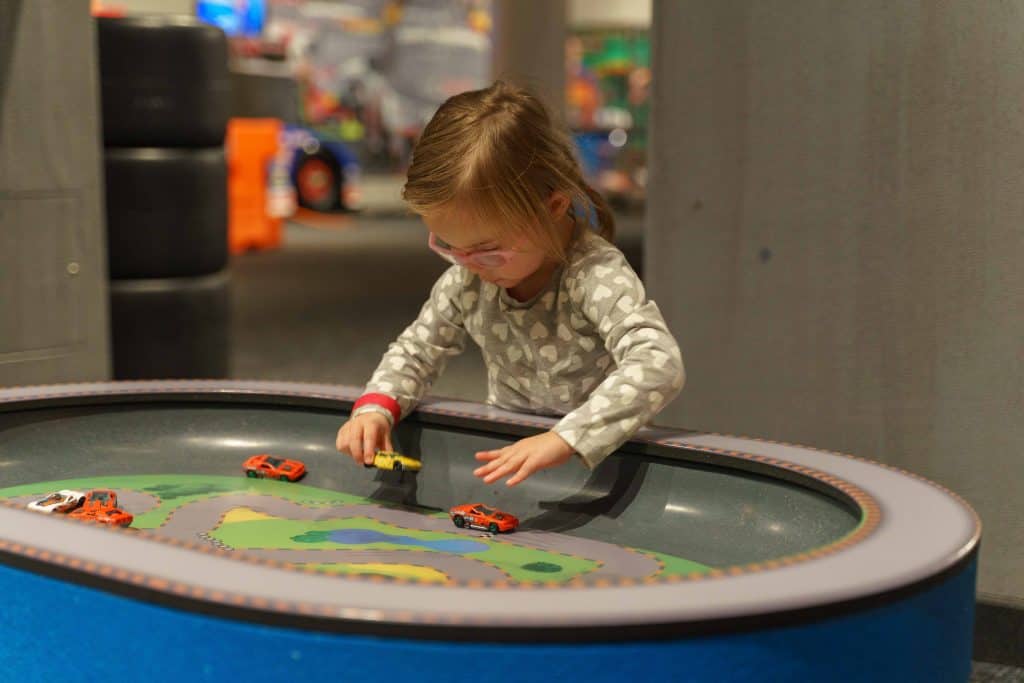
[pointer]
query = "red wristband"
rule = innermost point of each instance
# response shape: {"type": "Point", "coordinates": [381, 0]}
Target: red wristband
{"type": "Point", "coordinates": [382, 400]}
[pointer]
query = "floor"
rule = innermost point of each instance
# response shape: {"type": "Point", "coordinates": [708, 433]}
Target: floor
{"type": "Point", "coordinates": [323, 307]}
{"type": "Point", "coordinates": [996, 673]}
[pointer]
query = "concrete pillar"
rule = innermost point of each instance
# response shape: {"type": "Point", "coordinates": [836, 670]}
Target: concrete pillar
{"type": "Point", "coordinates": [529, 47]}
{"type": "Point", "coordinates": [836, 231]}
{"type": "Point", "coordinates": [53, 255]}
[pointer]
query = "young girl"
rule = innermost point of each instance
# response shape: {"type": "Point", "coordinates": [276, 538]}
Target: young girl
{"type": "Point", "coordinates": [562, 320]}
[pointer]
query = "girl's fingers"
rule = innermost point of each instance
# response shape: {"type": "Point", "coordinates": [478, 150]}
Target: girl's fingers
{"type": "Point", "coordinates": [355, 447]}
{"type": "Point", "coordinates": [525, 470]}
{"type": "Point", "coordinates": [344, 438]}
{"type": "Point", "coordinates": [499, 472]}
{"type": "Point", "coordinates": [371, 438]}
{"type": "Point", "coordinates": [488, 455]}
{"type": "Point", "coordinates": [484, 469]}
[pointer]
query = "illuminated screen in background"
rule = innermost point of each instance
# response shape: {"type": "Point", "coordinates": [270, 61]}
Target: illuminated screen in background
{"type": "Point", "coordinates": [234, 17]}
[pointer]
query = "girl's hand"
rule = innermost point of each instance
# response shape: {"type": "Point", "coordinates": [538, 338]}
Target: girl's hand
{"type": "Point", "coordinates": [524, 457]}
{"type": "Point", "coordinates": [362, 436]}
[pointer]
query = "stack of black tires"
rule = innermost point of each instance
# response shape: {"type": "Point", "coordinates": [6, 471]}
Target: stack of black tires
{"type": "Point", "coordinates": [165, 96]}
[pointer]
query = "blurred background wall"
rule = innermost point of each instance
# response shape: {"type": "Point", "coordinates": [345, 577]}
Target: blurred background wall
{"type": "Point", "coordinates": [53, 284]}
{"type": "Point", "coordinates": [835, 235]}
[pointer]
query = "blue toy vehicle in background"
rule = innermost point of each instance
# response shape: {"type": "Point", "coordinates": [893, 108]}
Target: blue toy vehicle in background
{"type": "Point", "coordinates": [324, 172]}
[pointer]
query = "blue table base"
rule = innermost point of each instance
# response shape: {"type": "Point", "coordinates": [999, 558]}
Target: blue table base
{"type": "Point", "coordinates": [50, 627]}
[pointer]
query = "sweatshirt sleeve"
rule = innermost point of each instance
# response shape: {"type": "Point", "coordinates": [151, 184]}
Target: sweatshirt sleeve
{"type": "Point", "coordinates": [418, 356]}
{"type": "Point", "coordinates": [649, 367]}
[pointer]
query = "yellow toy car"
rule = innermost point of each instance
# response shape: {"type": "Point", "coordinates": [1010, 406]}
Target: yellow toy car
{"type": "Point", "coordinates": [389, 460]}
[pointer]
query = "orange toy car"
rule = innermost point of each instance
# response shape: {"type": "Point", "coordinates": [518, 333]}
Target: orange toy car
{"type": "Point", "coordinates": [99, 499]}
{"type": "Point", "coordinates": [111, 516]}
{"type": "Point", "coordinates": [100, 506]}
{"type": "Point", "coordinates": [269, 467]}
{"type": "Point", "coordinates": [479, 516]}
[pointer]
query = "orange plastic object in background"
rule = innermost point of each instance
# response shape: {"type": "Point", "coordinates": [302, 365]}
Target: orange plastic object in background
{"type": "Point", "coordinates": [251, 145]}
{"type": "Point", "coordinates": [98, 8]}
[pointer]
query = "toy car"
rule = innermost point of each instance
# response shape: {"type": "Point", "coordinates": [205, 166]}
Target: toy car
{"type": "Point", "coordinates": [99, 499]}
{"type": "Point", "coordinates": [269, 467]}
{"type": "Point", "coordinates": [479, 516]}
{"type": "Point", "coordinates": [111, 516]}
{"type": "Point", "coordinates": [324, 172]}
{"type": "Point", "coordinates": [389, 460]}
{"type": "Point", "coordinates": [100, 506]}
{"type": "Point", "coordinates": [64, 500]}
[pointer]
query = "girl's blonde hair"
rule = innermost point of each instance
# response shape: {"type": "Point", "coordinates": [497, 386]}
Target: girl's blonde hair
{"type": "Point", "coordinates": [497, 153]}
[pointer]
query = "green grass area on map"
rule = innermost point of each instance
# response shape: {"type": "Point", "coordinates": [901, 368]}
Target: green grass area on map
{"type": "Point", "coordinates": [176, 490]}
{"type": "Point", "coordinates": [675, 566]}
{"type": "Point", "coordinates": [519, 562]}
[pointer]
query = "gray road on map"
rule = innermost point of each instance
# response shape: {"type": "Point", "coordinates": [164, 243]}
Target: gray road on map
{"type": "Point", "coordinates": [189, 521]}
{"type": "Point", "coordinates": [204, 515]}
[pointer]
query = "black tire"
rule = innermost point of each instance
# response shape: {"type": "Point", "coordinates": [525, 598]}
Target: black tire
{"type": "Point", "coordinates": [492, 527]}
{"type": "Point", "coordinates": [167, 212]}
{"type": "Point", "coordinates": [318, 179]}
{"type": "Point", "coordinates": [251, 474]}
{"type": "Point", "coordinates": [171, 328]}
{"type": "Point", "coordinates": [283, 478]}
{"type": "Point", "coordinates": [397, 467]}
{"type": "Point", "coordinates": [265, 95]}
{"type": "Point", "coordinates": [459, 521]}
{"type": "Point", "coordinates": [164, 82]}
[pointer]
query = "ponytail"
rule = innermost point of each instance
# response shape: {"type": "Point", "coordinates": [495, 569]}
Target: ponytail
{"type": "Point", "coordinates": [605, 217]}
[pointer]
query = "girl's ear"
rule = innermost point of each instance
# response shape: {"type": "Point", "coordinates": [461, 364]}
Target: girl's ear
{"type": "Point", "coordinates": [558, 204]}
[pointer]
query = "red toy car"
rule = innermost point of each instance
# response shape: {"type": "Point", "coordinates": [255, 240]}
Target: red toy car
{"type": "Point", "coordinates": [111, 516]}
{"type": "Point", "coordinates": [100, 506]}
{"type": "Point", "coordinates": [479, 516]}
{"type": "Point", "coordinates": [269, 467]}
{"type": "Point", "coordinates": [99, 499]}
